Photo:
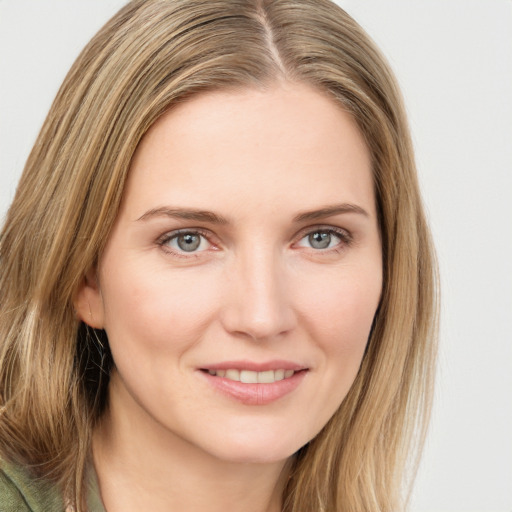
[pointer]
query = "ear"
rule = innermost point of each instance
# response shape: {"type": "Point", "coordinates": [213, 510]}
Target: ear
{"type": "Point", "coordinates": [88, 301]}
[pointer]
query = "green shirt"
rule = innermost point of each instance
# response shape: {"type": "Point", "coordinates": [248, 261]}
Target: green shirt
{"type": "Point", "coordinates": [19, 492]}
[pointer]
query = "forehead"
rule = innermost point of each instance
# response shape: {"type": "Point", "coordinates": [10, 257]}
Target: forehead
{"type": "Point", "coordinates": [288, 142]}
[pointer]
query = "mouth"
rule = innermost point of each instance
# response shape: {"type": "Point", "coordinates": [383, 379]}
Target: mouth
{"type": "Point", "coordinates": [253, 377]}
{"type": "Point", "coordinates": [252, 383]}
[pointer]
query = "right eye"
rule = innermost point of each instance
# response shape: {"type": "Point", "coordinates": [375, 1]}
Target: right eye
{"type": "Point", "coordinates": [185, 242]}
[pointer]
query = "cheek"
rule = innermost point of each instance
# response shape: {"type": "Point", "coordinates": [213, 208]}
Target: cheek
{"type": "Point", "coordinates": [154, 312]}
{"type": "Point", "coordinates": [339, 313]}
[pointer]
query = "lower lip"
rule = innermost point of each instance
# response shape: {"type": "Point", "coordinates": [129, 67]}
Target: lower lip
{"type": "Point", "coordinates": [255, 394]}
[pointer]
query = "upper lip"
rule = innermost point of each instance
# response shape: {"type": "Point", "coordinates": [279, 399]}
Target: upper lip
{"type": "Point", "coordinates": [256, 366]}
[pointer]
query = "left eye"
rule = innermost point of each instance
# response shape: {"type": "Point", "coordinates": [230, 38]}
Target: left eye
{"type": "Point", "coordinates": [321, 239]}
{"type": "Point", "coordinates": [187, 242]}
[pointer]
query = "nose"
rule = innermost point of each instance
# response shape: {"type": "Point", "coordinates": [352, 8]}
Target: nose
{"type": "Point", "coordinates": [258, 300]}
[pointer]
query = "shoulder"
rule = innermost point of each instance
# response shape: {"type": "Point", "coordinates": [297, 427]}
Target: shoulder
{"type": "Point", "coordinates": [19, 492]}
{"type": "Point", "coordinates": [11, 499]}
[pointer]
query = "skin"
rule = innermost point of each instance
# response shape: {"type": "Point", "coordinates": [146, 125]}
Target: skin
{"type": "Point", "coordinates": [256, 289]}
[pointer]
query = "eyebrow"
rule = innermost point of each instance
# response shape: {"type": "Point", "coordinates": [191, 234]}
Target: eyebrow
{"type": "Point", "coordinates": [214, 218]}
{"type": "Point", "coordinates": [184, 213]}
{"type": "Point", "coordinates": [330, 211]}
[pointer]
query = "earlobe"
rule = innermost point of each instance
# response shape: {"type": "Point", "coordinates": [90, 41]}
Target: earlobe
{"type": "Point", "coordinates": [88, 301]}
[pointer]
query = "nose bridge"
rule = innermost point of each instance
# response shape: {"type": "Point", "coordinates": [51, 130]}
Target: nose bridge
{"type": "Point", "coordinates": [260, 305]}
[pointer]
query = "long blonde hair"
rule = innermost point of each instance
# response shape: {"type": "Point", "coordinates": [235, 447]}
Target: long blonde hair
{"type": "Point", "coordinates": [150, 56]}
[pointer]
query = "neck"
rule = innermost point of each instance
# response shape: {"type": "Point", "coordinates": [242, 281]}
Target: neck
{"type": "Point", "coordinates": [141, 465]}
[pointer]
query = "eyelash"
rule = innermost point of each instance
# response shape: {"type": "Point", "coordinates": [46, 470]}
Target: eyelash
{"type": "Point", "coordinates": [343, 235]}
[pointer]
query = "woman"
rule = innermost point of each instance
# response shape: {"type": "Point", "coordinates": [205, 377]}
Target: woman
{"type": "Point", "coordinates": [216, 277]}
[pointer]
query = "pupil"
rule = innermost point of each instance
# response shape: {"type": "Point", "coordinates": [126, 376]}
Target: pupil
{"type": "Point", "coordinates": [188, 242]}
{"type": "Point", "coordinates": [320, 240]}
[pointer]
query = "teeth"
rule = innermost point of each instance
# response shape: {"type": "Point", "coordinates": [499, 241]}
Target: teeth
{"type": "Point", "coordinates": [232, 375]}
{"type": "Point", "coordinates": [279, 375]}
{"type": "Point", "coordinates": [250, 377]}
{"type": "Point", "coordinates": [266, 377]}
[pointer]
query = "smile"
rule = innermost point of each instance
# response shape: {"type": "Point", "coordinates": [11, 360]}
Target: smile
{"type": "Point", "coordinates": [255, 384]}
{"type": "Point", "coordinates": [253, 377]}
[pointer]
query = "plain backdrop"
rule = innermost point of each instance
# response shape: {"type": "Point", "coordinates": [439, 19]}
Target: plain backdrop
{"type": "Point", "coordinates": [453, 59]}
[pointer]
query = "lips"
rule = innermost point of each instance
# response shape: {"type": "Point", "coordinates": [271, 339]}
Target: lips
{"type": "Point", "coordinates": [254, 383]}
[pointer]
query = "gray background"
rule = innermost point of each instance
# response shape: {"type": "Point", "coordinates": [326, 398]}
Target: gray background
{"type": "Point", "coordinates": [453, 59]}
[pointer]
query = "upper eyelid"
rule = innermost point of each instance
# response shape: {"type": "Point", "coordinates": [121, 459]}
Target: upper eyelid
{"type": "Point", "coordinates": [168, 235]}
{"type": "Point", "coordinates": [333, 229]}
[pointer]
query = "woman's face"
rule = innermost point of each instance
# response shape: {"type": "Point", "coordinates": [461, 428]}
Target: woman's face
{"type": "Point", "coordinates": [241, 278]}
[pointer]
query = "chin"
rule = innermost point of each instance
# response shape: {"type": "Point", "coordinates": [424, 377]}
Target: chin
{"type": "Point", "coordinates": [259, 455]}
{"type": "Point", "coordinates": [256, 447]}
